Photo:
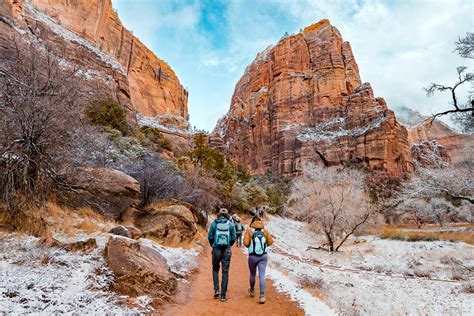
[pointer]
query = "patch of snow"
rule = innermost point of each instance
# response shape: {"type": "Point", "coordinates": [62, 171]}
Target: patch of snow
{"type": "Point", "coordinates": [264, 55]}
{"type": "Point", "coordinates": [288, 127]}
{"type": "Point", "coordinates": [52, 281]}
{"type": "Point", "coordinates": [376, 276]}
{"type": "Point", "coordinates": [181, 261]}
{"type": "Point", "coordinates": [157, 122]}
{"type": "Point", "coordinates": [310, 304]}
{"type": "Point", "coordinates": [325, 131]}
{"type": "Point", "coordinates": [70, 36]}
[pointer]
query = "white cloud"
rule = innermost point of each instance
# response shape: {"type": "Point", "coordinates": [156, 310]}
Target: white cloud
{"type": "Point", "coordinates": [400, 46]}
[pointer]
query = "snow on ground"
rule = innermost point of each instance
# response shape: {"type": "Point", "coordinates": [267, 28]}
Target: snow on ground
{"type": "Point", "coordinates": [51, 280]}
{"type": "Point", "coordinates": [46, 281]}
{"type": "Point", "coordinates": [373, 276]}
{"type": "Point", "coordinates": [310, 304]}
{"type": "Point", "coordinates": [181, 261]}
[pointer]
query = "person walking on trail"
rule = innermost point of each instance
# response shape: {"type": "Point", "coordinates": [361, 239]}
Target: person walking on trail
{"type": "Point", "coordinates": [257, 239]}
{"type": "Point", "coordinates": [221, 238]}
{"type": "Point", "coordinates": [239, 229]}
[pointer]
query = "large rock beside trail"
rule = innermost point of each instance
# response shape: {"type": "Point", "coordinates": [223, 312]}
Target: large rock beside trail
{"type": "Point", "coordinates": [139, 270]}
{"type": "Point", "coordinates": [107, 191]}
{"type": "Point", "coordinates": [302, 101]}
{"type": "Point", "coordinates": [170, 222]}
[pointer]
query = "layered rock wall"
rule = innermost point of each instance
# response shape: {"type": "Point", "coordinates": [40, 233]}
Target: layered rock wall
{"type": "Point", "coordinates": [90, 33]}
{"type": "Point", "coordinates": [302, 101]}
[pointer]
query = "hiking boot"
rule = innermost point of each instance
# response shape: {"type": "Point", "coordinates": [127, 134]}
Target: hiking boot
{"type": "Point", "coordinates": [216, 293]}
{"type": "Point", "coordinates": [224, 298]}
{"type": "Point", "coordinates": [251, 292]}
{"type": "Point", "coordinates": [262, 299]}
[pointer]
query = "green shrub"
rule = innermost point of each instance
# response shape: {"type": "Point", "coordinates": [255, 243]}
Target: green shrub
{"type": "Point", "coordinates": [154, 136]}
{"type": "Point", "coordinates": [221, 167]}
{"type": "Point", "coordinates": [107, 112]}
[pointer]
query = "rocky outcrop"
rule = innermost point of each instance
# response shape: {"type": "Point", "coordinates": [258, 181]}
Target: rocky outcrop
{"type": "Point", "coordinates": [89, 33]}
{"type": "Point", "coordinates": [139, 270]}
{"type": "Point", "coordinates": [453, 147]}
{"type": "Point", "coordinates": [170, 222]}
{"type": "Point", "coordinates": [302, 101]}
{"type": "Point", "coordinates": [127, 231]}
{"type": "Point", "coordinates": [109, 192]}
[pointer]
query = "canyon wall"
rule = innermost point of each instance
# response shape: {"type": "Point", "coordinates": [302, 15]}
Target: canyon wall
{"type": "Point", "coordinates": [302, 101]}
{"type": "Point", "coordinates": [90, 33]}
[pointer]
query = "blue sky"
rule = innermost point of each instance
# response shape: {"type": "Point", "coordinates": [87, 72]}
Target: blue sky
{"type": "Point", "coordinates": [400, 46]}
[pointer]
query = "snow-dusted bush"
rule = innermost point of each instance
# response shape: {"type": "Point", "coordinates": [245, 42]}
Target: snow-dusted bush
{"type": "Point", "coordinates": [333, 202]}
{"type": "Point", "coordinates": [438, 195]}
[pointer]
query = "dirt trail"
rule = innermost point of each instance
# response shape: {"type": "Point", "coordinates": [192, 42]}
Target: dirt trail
{"type": "Point", "coordinates": [195, 298]}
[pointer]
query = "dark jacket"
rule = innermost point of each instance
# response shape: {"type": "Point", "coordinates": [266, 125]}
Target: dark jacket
{"type": "Point", "coordinates": [212, 231]}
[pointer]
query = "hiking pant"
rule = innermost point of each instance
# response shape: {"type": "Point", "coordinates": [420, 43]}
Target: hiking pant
{"type": "Point", "coordinates": [261, 263]}
{"type": "Point", "coordinates": [239, 240]}
{"type": "Point", "coordinates": [221, 255]}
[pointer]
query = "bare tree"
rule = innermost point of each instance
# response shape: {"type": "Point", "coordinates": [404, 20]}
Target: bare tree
{"type": "Point", "coordinates": [335, 203]}
{"type": "Point", "coordinates": [465, 45]}
{"type": "Point", "coordinates": [427, 194]}
{"type": "Point", "coordinates": [465, 48]}
{"type": "Point", "coordinates": [455, 182]}
{"type": "Point", "coordinates": [39, 121]}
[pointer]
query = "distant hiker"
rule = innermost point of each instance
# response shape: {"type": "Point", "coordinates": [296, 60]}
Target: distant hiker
{"type": "Point", "coordinates": [261, 212]}
{"type": "Point", "coordinates": [239, 229]}
{"type": "Point", "coordinates": [233, 218]}
{"type": "Point", "coordinates": [257, 239]}
{"type": "Point", "coordinates": [221, 238]}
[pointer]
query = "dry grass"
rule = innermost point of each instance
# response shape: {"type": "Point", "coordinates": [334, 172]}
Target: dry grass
{"type": "Point", "coordinates": [468, 287]}
{"type": "Point", "coordinates": [89, 213]}
{"type": "Point", "coordinates": [87, 226]}
{"type": "Point", "coordinates": [389, 232]}
{"type": "Point", "coordinates": [308, 282]}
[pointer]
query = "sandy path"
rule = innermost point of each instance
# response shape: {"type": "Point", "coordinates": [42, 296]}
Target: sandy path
{"type": "Point", "coordinates": [195, 298]}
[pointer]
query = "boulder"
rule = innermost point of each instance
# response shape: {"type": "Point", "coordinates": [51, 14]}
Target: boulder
{"type": "Point", "coordinates": [139, 270]}
{"type": "Point", "coordinates": [170, 222]}
{"type": "Point", "coordinates": [127, 231]}
{"type": "Point", "coordinates": [107, 191]}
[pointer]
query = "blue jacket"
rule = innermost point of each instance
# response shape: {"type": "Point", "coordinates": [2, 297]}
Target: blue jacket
{"type": "Point", "coordinates": [212, 231]}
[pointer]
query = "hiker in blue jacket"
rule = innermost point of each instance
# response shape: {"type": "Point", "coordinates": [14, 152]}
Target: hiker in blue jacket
{"type": "Point", "coordinates": [221, 238]}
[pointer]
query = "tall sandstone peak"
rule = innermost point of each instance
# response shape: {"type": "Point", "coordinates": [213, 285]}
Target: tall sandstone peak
{"type": "Point", "coordinates": [303, 101]}
{"type": "Point", "coordinates": [90, 32]}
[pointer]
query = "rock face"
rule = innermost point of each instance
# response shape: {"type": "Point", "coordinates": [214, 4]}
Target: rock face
{"type": "Point", "coordinates": [170, 222]}
{"type": "Point", "coordinates": [139, 270]}
{"type": "Point", "coordinates": [451, 146]}
{"type": "Point", "coordinates": [90, 33]}
{"type": "Point", "coordinates": [109, 192]}
{"type": "Point", "coordinates": [302, 101]}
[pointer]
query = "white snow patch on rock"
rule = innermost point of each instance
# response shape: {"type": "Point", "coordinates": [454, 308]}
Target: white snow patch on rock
{"type": "Point", "coordinates": [70, 36]}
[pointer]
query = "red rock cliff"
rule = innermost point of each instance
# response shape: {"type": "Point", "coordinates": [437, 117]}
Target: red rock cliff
{"type": "Point", "coordinates": [147, 81]}
{"type": "Point", "coordinates": [302, 101]}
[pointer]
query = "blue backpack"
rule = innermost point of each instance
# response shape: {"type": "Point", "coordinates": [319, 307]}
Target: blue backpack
{"type": "Point", "coordinates": [222, 236]}
{"type": "Point", "coordinates": [258, 245]}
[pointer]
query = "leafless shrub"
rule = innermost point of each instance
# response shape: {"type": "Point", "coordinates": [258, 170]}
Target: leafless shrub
{"type": "Point", "coordinates": [335, 203]}
{"type": "Point", "coordinates": [312, 282]}
{"type": "Point", "coordinates": [437, 195]}
{"type": "Point", "coordinates": [468, 287]}
{"type": "Point", "coordinates": [160, 179]}
{"type": "Point", "coordinates": [413, 263]}
{"type": "Point", "coordinates": [422, 273]}
{"type": "Point", "coordinates": [39, 138]}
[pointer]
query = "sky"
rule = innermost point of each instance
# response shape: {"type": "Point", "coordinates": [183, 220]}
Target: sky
{"type": "Point", "coordinates": [400, 46]}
